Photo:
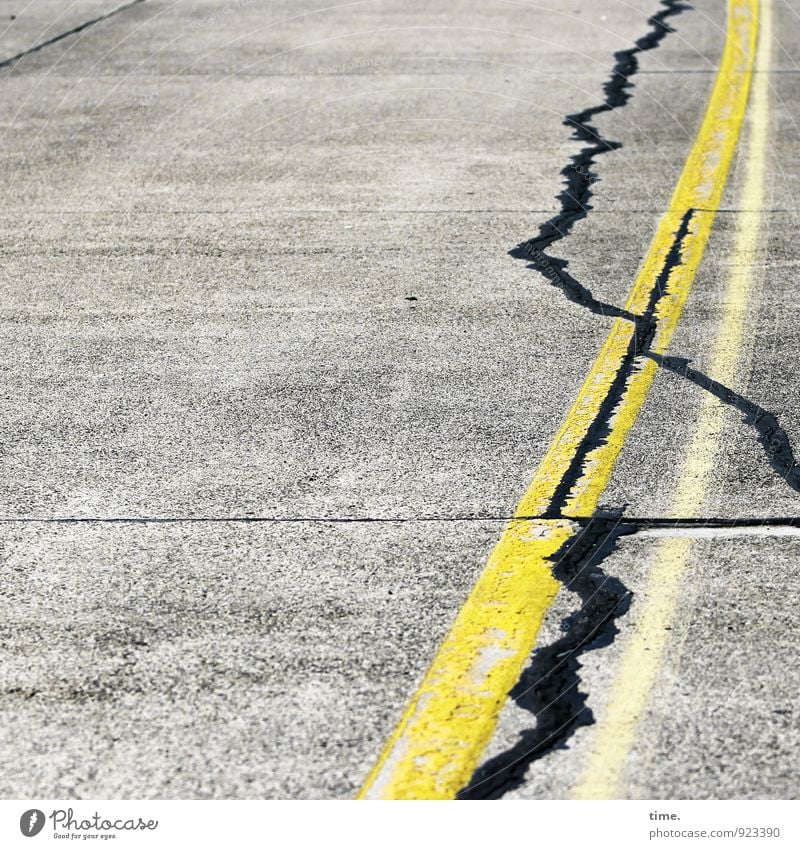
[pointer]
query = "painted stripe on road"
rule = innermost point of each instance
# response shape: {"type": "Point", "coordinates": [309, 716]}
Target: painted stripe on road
{"type": "Point", "coordinates": [643, 652]}
{"type": "Point", "coordinates": [442, 734]}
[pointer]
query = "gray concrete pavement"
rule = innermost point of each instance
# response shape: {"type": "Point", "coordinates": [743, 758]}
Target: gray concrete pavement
{"type": "Point", "coordinates": [254, 266]}
{"type": "Point", "coordinates": [722, 723]}
{"type": "Point", "coordinates": [192, 660]}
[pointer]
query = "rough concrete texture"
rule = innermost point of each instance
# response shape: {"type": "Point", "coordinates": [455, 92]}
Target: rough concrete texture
{"type": "Point", "coordinates": [255, 266]}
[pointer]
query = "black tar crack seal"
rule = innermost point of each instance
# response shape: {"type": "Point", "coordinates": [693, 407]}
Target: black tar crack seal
{"type": "Point", "coordinates": [549, 688]}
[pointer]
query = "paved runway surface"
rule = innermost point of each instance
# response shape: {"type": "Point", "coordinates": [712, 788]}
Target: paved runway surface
{"type": "Point", "coordinates": [276, 376]}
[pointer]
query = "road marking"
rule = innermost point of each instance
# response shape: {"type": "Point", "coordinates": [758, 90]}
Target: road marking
{"type": "Point", "coordinates": [643, 652]}
{"type": "Point", "coordinates": [439, 740]}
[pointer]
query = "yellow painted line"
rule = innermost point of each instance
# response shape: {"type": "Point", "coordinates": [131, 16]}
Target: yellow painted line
{"type": "Point", "coordinates": [450, 720]}
{"type": "Point", "coordinates": [440, 737]}
{"type": "Point", "coordinates": [641, 660]}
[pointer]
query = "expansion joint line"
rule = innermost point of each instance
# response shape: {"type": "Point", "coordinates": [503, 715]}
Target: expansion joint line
{"type": "Point", "coordinates": [12, 60]}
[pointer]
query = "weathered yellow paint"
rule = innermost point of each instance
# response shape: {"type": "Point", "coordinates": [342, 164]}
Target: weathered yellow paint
{"type": "Point", "coordinates": [635, 676]}
{"type": "Point", "coordinates": [445, 728]}
{"type": "Point", "coordinates": [451, 717]}
{"type": "Point", "coordinates": [699, 188]}
{"type": "Point", "coordinates": [645, 648]}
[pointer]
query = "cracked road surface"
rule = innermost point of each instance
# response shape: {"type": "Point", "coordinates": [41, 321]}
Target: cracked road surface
{"type": "Point", "coordinates": [399, 399]}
